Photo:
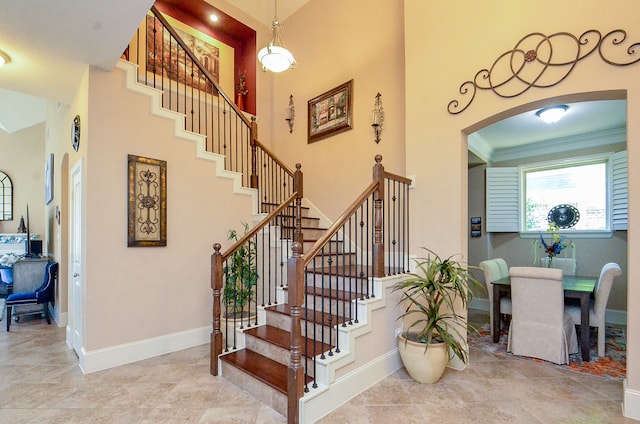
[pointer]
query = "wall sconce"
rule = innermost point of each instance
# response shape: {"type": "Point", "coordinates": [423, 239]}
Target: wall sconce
{"type": "Point", "coordinates": [378, 117]}
{"type": "Point", "coordinates": [291, 113]}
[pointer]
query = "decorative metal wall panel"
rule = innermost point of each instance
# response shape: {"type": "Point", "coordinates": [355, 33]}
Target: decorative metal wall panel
{"type": "Point", "coordinates": [147, 202]}
{"type": "Point", "coordinates": [542, 61]}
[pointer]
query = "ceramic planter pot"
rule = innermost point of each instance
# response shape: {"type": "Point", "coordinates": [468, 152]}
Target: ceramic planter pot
{"type": "Point", "coordinates": [424, 367]}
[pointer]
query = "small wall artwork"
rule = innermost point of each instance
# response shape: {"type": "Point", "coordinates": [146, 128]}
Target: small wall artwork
{"type": "Point", "coordinates": [476, 226]}
{"type": "Point", "coordinates": [48, 180]}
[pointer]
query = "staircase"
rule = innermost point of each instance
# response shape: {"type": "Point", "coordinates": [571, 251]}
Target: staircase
{"type": "Point", "coordinates": [321, 290]}
{"type": "Point", "coordinates": [261, 367]}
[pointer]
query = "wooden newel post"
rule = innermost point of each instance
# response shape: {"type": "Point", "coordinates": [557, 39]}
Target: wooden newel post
{"type": "Point", "coordinates": [216, 286]}
{"type": "Point", "coordinates": [299, 189]}
{"type": "Point", "coordinates": [295, 376]}
{"type": "Point", "coordinates": [378, 202]}
{"type": "Point", "coordinates": [254, 153]}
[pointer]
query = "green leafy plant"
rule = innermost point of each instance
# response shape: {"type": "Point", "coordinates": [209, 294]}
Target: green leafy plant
{"type": "Point", "coordinates": [430, 295]}
{"type": "Point", "coordinates": [241, 275]}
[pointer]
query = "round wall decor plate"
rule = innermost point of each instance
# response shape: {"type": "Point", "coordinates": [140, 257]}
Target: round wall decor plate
{"type": "Point", "coordinates": [564, 216]}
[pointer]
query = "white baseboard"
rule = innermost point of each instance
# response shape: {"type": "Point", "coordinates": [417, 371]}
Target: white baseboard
{"type": "Point", "coordinates": [101, 359]}
{"type": "Point", "coordinates": [631, 405]}
{"type": "Point", "coordinates": [314, 406]}
{"type": "Point", "coordinates": [612, 316]}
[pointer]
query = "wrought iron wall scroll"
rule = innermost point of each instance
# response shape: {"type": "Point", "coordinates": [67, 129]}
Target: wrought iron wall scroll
{"type": "Point", "coordinates": [542, 61]}
{"type": "Point", "coordinates": [147, 202]}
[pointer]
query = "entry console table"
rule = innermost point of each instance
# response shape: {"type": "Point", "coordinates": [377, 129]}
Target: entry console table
{"type": "Point", "coordinates": [574, 288]}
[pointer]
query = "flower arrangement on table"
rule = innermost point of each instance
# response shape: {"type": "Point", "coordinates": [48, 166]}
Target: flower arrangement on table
{"type": "Point", "coordinates": [557, 243]}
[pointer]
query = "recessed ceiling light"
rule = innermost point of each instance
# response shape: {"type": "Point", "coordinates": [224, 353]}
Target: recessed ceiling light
{"type": "Point", "coordinates": [214, 18]}
{"type": "Point", "coordinates": [4, 58]}
{"type": "Point", "coordinates": [552, 114]}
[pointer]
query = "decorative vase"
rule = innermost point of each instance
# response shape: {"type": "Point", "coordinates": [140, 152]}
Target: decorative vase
{"type": "Point", "coordinates": [423, 366]}
{"type": "Point", "coordinates": [240, 101]}
{"type": "Point", "coordinates": [236, 324]}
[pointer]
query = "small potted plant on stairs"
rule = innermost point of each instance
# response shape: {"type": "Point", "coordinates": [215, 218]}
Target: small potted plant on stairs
{"type": "Point", "coordinates": [241, 277]}
{"type": "Point", "coordinates": [436, 333]}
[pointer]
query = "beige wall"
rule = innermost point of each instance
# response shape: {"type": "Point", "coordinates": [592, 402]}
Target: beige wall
{"type": "Point", "coordinates": [23, 159]}
{"type": "Point", "coordinates": [58, 141]}
{"type": "Point", "coordinates": [334, 42]}
{"type": "Point", "coordinates": [137, 293]}
{"type": "Point", "coordinates": [460, 42]}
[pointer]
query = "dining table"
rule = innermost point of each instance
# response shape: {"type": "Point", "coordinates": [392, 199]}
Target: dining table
{"type": "Point", "coordinates": [575, 287]}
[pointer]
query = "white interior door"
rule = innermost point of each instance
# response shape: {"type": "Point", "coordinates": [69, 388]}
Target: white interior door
{"type": "Point", "coordinates": [76, 294]}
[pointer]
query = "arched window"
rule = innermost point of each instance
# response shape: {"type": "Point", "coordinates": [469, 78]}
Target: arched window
{"type": "Point", "coordinates": [6, 197]}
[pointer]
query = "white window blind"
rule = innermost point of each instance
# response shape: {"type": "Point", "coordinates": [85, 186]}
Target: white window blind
{"type": "Point", "coordinates": [503, 200]}
{"type": "Point", "coordinates": [619, 191]}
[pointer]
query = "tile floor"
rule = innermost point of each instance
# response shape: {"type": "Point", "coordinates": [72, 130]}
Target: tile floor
{"type": "Point", "coordinates": [40, 382]}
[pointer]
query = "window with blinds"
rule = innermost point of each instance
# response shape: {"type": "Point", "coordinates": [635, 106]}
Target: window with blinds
{"type": "Point", "coordinates": [519, 198]}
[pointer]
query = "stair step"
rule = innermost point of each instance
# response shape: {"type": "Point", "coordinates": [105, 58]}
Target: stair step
{"type": "Point", "coordinates": [313, 316]}
{"type": "Point", "coordinates": [282, 338]}
{"type": "Point", "coordinates": [353, 271]}
{"type": "Point", "coordinates": [268, 371]}
{"type": "Point", "coordinates": [290, 210]}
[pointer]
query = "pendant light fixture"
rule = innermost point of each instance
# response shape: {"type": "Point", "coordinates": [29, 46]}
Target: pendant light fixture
{"type": "Point", "coordinates": [275, 57]}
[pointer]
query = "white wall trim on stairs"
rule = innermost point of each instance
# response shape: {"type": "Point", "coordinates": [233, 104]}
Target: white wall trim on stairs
{"type": "Point", "coordinates": [345, 388]}
{"type": "Point", "coordinates": [131, 83]}
{"type": "Point", "coordinates": [334, 391]}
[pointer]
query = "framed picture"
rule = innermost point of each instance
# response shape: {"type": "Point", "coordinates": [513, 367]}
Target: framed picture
{"type": "Point", "coordinates": [330, 113]}
{"type": "Point", "coordinates": [48, 180]}
{"type": "Point", "coordinates": [147, 215]}
{"type": "Point", "coordinates": [178, 69]}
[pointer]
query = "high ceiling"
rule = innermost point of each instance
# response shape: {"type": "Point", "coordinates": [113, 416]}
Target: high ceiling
{"type": "Point", "coordinates": [51, 42]}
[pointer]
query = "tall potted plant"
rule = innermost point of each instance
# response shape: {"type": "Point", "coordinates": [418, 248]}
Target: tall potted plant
{"type": "Point", "coordinates": [241, 277]}
{"type": "Point", "coordinates": [430, 296]}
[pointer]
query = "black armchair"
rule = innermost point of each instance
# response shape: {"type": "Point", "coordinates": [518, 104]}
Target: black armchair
{"type": "Point", "coordinates": [41, 296]}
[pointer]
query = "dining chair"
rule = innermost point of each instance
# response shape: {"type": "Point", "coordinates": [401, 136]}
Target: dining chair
{"type": "Point", "coordinates": [495, 269]}
{"type": "Point", "coordinates": [598, 306]}
{"type": "Point", "coordinates": [539, 326]}
{"type": "Point", "coordinates": [567, 265]}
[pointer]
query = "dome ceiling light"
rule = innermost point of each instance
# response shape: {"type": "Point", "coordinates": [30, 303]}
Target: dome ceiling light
{"type": "Point", "coordinates": [552, 114]}
{"type": "Point", "coordinates": [275, 57]}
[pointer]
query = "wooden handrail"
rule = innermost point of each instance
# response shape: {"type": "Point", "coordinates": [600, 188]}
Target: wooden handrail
{"type": "Point", "coordinates": [319, 244]}
{"type": "Point", "coordinates": [274, 158]}
{"type": "Point", "coordinates": [397, 177]}
{"type": "Point", "coordinates": [258, 227]}
{"type": "Point", "coordinates": [195, 60]}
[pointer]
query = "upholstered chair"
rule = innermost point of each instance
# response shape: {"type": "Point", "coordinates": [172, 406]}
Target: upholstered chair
{"type": "Point", "coordinates": [599, 305]}
{"type": "Point", "coordinates": [539, 326]}
{"type": "Point", "coordinates": [41, 296]}
{"type": "Point", "coordinates": [495, 269]}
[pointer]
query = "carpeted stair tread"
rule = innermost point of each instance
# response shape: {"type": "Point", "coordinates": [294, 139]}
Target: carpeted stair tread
{"type": "Point", "coordinates": [268, 371]}
{"type": "Point", "coordinates": [282, 338]}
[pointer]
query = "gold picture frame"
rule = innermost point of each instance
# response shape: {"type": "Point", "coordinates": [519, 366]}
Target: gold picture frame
{"type": "Point", "coordinates": [147, 213]}
{"type": "Point", "coordinates": [330, 113]}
